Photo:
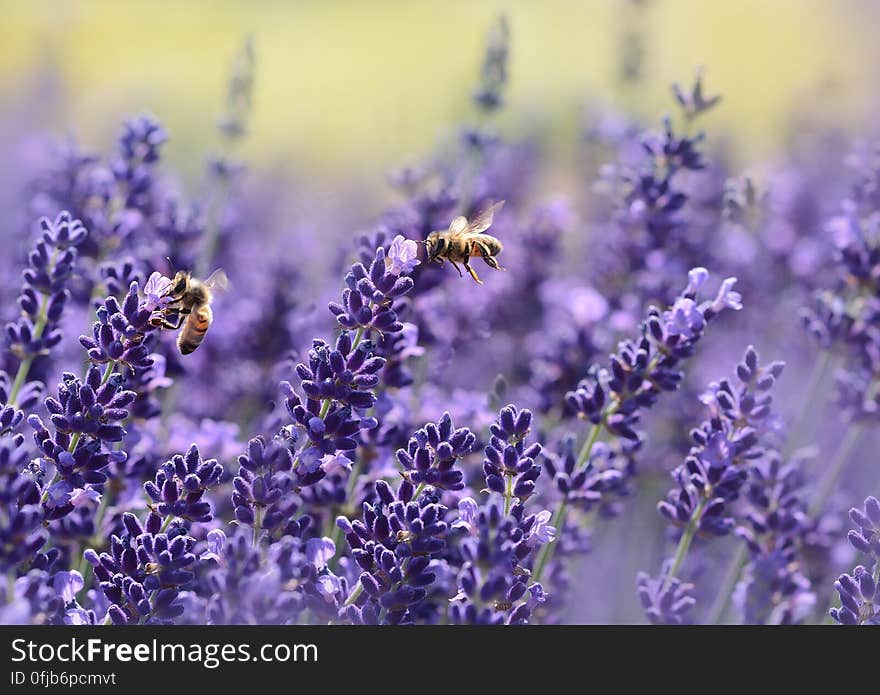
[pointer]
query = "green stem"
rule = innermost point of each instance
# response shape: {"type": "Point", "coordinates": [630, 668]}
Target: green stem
{"type": "Point", "coordinates": [808, 400]}
{"type": "Point", "coordinates": [258, 522]}
{"type": "Point", "coordinates": [325, 408]}
{"type": "Point", "coordinates": [587, 448]}
{"type": "Point", "coordinates": [108, 370]}
{"type": "Point", "coordinates": [21, 375]}
{"type": "Point", "coordinates": [832, 474]}
{"type": "Point", "coordinates": [358, 336]}
{"type": "Point", "coordinates": [684, 544]}
{"type": "Point", "coordinates": [84, 566]}
{"type": "Point", "coordinates": [212, 228]}
{"type": "Point", "coordinates": [39, 326]}
{"type": "Point", "coordinates": [508, 495]}
{"type": "Point", "coordinates": [559, 516]}
{"type": "Point", "coordinates": [353, 596]}
{"type": "Point", "coordinates": [548, 548]}
{"type": "Point", "coordinates": [734, 569]}
{"type": "Point", "coordinates": [335, 533]}
{"type": "Point", "coordinates": [731, 577]}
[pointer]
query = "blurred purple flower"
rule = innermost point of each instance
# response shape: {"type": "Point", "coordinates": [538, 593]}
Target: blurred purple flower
{"type": "Point", "coordinates": [67, 585]}
{"type": "Point", "coordinates": [215, 543]}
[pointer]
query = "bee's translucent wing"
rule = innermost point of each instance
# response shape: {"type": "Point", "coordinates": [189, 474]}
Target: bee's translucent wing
{"type": "Point", "coordinates": [483, 219]}
{"type": "Point", "coordinates": [458, 225]}
{"type": "Point", "coordinates": [217, 281]}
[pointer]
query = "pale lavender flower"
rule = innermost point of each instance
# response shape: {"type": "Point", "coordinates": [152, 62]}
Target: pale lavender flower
{"type": "Point", "coordinates": [409, 342]}
{"type": "Point", "coordinates": [216, 542]}
{"type": "Point", "coordinates": [402, 256]}
{"type": "Point", "coordinates": [76, 616]}
{"type": "Point", "coordinates": [587, 305]}
{"type": "Point", "coordinates": [320, 551]}
{"type": "Point", "coordinates": [537, 596]}
{"type": "Point", "coordinates": [727, 298]}
{"type": "Point", "coordinates": [684, 318]}
{"type": "Point", "coordinates": [157, 292]}
{"type": "Point", "coordinates": [328, 586]}
{"type": "Point", "coordinates": [468, 513]}
{"type": "Point", "coordinates": [310, 459]}
{"type": "Point", "coordinates": [67, 585]}
{"type": "Point", "coordinates": [336, 463]}
{"type": "Point", "coordinates": [84, 496]}
{"type": "Point", "coordinates": [696, 279]}
{"type": "Point", "coordinates": [542, 531]}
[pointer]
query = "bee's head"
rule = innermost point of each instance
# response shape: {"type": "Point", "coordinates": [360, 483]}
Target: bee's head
{"type": "Point", "coordinates": [434, 245]}
{"type": "Point", "coordinates": [179, 283]}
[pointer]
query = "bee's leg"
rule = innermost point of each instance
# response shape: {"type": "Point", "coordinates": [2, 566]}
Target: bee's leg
{"type": "Point", "coordinates": [455, 265]}
{"type": "Point", "coordinates": [487, 256]}
{"type": "Point", "coordinates": [492, 262]}
{"type": "Point", "coordinates": [162, 322]}
{"type": "Point", "coordinates": [473, 273]}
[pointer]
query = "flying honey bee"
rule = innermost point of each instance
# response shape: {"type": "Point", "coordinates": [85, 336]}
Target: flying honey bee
{"type": "Point", "coordinates": [465, 240]}
{"type": "Point", "coordinates": [191, 302]}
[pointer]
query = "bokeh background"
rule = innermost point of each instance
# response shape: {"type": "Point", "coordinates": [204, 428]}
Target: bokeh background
{"type": "Point", "coordinates": [352, 87]}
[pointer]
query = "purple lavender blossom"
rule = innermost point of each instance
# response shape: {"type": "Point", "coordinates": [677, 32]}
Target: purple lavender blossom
{"type": "Point", "coordinates": [859, 598]}
{"type": "Point", "coordinates": [774, 587]}
{"type": "Point", "coordinates": [866, 537]}
{"type": "Point", "coordinates": [362, 466]}
{"type": "Point", "coordinates": [665, 601]}
{"type": "Point", "coordinates": [509, 466]}
{"type": "Point", "coordinates": [264, 491]}
{"type": "Point", "coordinates": [393, 545]}
{"type": "Point", "coordinates": [118, 336]}
{"type": "Point", "coordinates": [493, 75]}
{"type": "Point", "coordinates": [43, 297]}
{"type": "Point", "coordinates": [715, 470]}
{"type": "Point", "coordinates": [143, 572]}
{"type": "Point", "coordinates": [860, 592]}
{"type": "Point", "coordinates": [402, 256]}
{"type": "Point", "coordinates": [432, 453]}
{"type": "Point", "coordinates": [642, 369]}
{"type": "Point", "coordinates": [180, 485]}
{"type": "Point", "coordinates": [368, 299]}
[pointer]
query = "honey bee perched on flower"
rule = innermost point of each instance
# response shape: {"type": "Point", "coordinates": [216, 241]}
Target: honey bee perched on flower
{"type": "Point", "coordinates": [189, 300]}
{"type": "Point", "coordinates": [465, 240]}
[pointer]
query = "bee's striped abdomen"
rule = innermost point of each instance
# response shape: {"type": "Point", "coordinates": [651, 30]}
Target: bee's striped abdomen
{"type": "Point", "coordinates": [194, 329]}
{"type": "Point", "coordinates": [485, 246]}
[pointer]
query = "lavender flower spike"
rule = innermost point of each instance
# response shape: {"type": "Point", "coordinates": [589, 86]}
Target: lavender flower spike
{"type": "Point", "coordinates": [44, 294]}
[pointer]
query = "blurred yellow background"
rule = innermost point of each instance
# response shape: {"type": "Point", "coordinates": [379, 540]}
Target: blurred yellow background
{"type": "Point", "coordinates": [357, 86]}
